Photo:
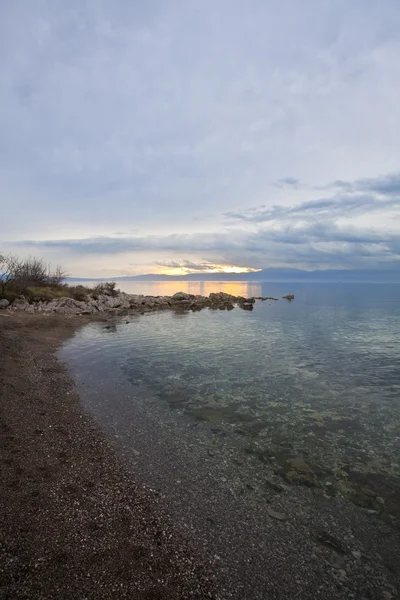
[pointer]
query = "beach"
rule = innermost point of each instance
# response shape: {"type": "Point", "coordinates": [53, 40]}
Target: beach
{"type": "Point", "coordinates": [79, 520]}
{"type": "Point", "coordinates": [74, 523]}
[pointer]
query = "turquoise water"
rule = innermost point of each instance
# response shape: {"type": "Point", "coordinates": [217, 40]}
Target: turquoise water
{"type": "Point", "coordinates": [310, 388]}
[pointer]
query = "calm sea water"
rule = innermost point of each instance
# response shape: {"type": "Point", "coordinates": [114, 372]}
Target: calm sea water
{"type": "Point", "coordinates": [311, 388]}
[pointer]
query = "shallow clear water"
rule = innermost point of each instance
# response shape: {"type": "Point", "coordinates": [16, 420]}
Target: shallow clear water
{"type": "Point", "coordinates": [310, 387]}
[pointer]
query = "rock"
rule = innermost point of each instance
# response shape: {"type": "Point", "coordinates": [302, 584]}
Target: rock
{"type": "Point", "coordinates": [276, 515]}
{"type": "Point", "coordinates": [288, 297]}
{"type": "Point", "coordinates": [246, 305]}
{"type": "Point", "coordinates": [300, 465]}
{"type": "Point", "coordinates": [276, 487]}
{"type": "Point", "coordinates": [264, 298]}
{"type": "Point", "coordinates": [4, 303]}
{"type": "Point", "coordinates": [179, 296]}
{"type": "Point", "coordinates": [20, 304]}
{"type": "Point", "coordinates": [328, 539]}
{"type": "Point", "coordinates": [109, 300]}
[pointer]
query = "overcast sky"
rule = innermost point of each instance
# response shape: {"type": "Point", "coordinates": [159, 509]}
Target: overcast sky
{"type": "Point", "coordinates": [137, 136]}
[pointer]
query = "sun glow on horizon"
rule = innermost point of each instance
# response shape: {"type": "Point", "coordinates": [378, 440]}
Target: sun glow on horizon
{"type": "Point", "coordinates": [203, 269]}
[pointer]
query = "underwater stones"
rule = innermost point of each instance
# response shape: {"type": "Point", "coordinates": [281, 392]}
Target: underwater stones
{"type": "Point", "coordinates": [299, 464]}
{"type": "Point", "coordinates": [297, 472]}
{"type": "Point", "coordinates": [275, 514]}
{"type": "Point", "coordinates": [212, 414]}
{"type": "Point", "coordinates": [296, 478]}
{"type": "Point", "coordinates": [328, 539]}
{"type": "Point", "coordinates": [254, 426]}
{"type": "Point", "coordinates": [276, 487]}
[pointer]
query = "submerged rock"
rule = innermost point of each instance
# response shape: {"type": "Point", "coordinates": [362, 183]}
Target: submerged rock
{"type": "Point", "coordinates": [276, 515]}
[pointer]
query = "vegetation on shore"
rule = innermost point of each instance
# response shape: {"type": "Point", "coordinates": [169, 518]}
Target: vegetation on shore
{"type": "Point", "coordinates": [33, 279]}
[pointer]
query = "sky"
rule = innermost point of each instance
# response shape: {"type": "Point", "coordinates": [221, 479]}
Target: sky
{"type": "Point", "coordinates": [173, 136]}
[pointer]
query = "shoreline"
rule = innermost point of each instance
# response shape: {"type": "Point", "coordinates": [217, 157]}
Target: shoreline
{"type": "Point", "coordinates": [105, 300]}
{"type": "Point", "coordinates": [60, 464]}
{"type": "Point", "coordinates": [74, 523]}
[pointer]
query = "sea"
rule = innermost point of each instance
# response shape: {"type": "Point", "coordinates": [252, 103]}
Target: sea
{"type": "Point", "coordinates": [307, 391]}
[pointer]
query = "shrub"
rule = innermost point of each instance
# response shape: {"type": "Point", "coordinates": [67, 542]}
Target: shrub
{"type": "Point", "coordinates": [10, 295]}
{"type": "Point", "coordinates": [107, 288]}
{"type": "Point", "coordinates": [46, 294]}
{"type": "Point", "coordinates": [78, 292]}
{"type": "Point", "coordinates": [34, 272]}
{"type": "Point", "coordinates": [35, 280]}
{"type": "Point", "coordinates": [27, 277]}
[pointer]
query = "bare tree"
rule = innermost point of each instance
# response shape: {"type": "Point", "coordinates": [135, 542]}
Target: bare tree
{"type": "Point", "coordinates": [9, 265]}
{"type": "Point", "coordinates": [31, 271]}
{"type": "Point", "coordinates": [57, 276]}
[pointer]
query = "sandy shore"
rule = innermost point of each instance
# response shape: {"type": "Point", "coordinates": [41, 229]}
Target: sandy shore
{"type": "Point", "coordinates": [76, 521]}
{"type": "Point", "coordinates": [73, 522]}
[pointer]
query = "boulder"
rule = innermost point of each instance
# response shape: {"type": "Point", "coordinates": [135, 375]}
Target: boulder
{"type": "Point", "coordinates": [20, 304]}
{"type": "Point", "coordinates": [247, 305]}
{"type": "Point", "coordinates": [4, 303]}
{"type": "Point", "coordinates": [180, 296]}
{"type": "Point", "coordinates": [105, 302]}
{"type": "Point", "coordinates": [66, 305]}
{"type": "Point", "coordinates": [221, 298]}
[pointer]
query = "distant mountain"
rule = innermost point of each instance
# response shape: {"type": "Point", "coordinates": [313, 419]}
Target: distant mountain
{"type": "Point", "coordinates": [366, 276]}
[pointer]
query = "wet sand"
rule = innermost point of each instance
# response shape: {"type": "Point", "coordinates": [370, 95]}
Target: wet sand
{"type": "Point", "coordinates": [77, 522]}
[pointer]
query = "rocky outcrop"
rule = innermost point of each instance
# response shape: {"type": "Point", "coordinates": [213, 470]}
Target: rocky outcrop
{"type": "Point", "coordinates": [119, 303]}
{"type": "Point", "coordinates": [4, 303]}
{"type": "Point", "coordinates": [288, 297]}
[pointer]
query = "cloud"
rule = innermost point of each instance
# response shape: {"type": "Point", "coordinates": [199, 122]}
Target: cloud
{"type": "Point", "coordinates": [287, 181]}
{"type": "Point", "coordinates": [150, 120]}
{"type": "Point", "coordinates": [364, 196]}
{"type": "Point", "coordinates": [328, 208]}
{"type": "Point", "coordinates": [384, 185]}
{"type": "Point", "coordinates": [315, 243]}
{"type": "Point", "coordinates": [186, 265]}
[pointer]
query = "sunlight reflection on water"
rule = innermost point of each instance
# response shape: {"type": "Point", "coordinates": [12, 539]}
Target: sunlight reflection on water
{"type": "Point", "coordinates": [203, 288]}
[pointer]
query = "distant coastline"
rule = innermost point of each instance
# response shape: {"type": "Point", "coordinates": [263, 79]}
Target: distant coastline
{"type": "Point", "coordinates": [269, 275]}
